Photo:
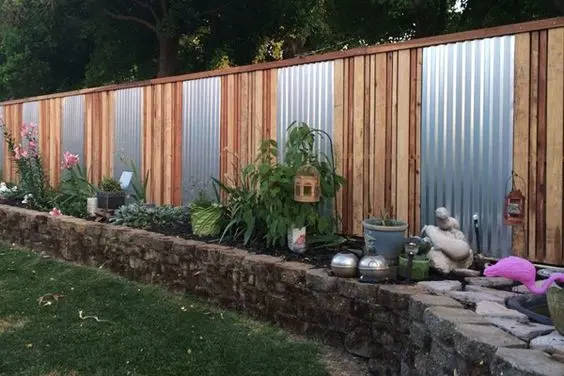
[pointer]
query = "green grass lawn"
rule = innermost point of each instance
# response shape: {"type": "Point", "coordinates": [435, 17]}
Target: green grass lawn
{"type": "Point", "coordinates": [149, 330]}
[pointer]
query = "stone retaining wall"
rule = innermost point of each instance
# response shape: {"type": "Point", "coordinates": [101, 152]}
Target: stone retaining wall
{"type": "Point", "coordinates": [403, 330]}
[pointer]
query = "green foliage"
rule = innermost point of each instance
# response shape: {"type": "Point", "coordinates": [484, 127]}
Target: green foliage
{"type": "Point", "coordinates": [74, 189]}
{"type": "Point", "coordinates": [163, 219]}
{"type": "Point", "coordinates": [260, 207]}
{"type": "Point", "coordinates": [138, 183]}
{"type": "Point", "coordinates": [109, 184]}
{"type": "Point", "coordinates": [206, 220]}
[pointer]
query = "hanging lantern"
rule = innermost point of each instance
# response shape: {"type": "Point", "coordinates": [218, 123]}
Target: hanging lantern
{"type": "Point", "coordinates": [306, 185]}
{"type": "Point", "coordinates": [514, 208]}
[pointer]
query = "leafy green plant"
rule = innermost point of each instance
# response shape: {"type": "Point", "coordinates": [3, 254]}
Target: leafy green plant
{"type": "Point", "coordinates": [260, 206]}
{"type": "Point", "coordinates": [109, 184]}
{"type": "Point", "coordinates": [164, 219]}
{"type": "Point", "coordinates": [138, 182]}
{"type": "Point", "coordinates": [75, 188]}
{"type": "Point", "coordinates": [386, 219]}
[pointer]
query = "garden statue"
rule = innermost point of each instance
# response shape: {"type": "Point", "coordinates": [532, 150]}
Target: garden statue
{"type": "Point", "coordinates": [449, 248]}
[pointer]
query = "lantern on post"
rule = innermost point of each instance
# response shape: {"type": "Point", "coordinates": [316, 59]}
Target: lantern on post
{"type": "Point", "coordinates": [306, 185]}
{"type": "Point", "coordinates": [514, 207]}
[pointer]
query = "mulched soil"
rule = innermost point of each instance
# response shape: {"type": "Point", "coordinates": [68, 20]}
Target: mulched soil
{"type": "Point", "coordinates": [17, 203]}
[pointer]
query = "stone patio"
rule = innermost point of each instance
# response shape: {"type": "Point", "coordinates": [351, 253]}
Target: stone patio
{"type": "Point", "coordinates": [486, 297]}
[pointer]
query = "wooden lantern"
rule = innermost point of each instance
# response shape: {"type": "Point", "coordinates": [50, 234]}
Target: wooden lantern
{"type": "Point", "coordinates": [306, 185]}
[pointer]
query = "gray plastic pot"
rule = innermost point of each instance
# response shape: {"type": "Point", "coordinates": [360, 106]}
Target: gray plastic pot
{"type": "Point", "coordinates": [385, 241]}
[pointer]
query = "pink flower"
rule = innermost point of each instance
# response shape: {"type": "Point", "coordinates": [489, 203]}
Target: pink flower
{"type": "Point", "coordinates": [24, 153]}
{"type": "Point", "coordinates": [69, 160]}
{"type": "Point", "coordinates": [24, 130]}
{"type": "Point", "coordinates": [17, 152]}
{"type": "Point", "coordinates": [55, 212]}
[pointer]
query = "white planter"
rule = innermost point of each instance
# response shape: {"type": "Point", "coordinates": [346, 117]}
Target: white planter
{"type": "Point", "coordinates": [91, 206]}
{"type": "Point", "coordinates": [297, 239]}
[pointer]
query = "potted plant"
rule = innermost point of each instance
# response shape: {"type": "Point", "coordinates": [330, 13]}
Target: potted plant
{"type": "Point", "coordinates": [384, 236]}
{"type": "Point", "coordinates": [110, 196]}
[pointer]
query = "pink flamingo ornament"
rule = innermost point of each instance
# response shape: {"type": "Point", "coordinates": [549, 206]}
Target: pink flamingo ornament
{"type": "Point", "coordinates": [521, 270]}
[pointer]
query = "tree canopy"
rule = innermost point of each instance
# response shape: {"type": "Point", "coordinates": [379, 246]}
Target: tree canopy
{"type": "Point", "coordinates": [56, 45]}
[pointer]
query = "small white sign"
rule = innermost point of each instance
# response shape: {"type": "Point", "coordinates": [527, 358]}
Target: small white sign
{"type": "Point", "coordinates": [125, 179]}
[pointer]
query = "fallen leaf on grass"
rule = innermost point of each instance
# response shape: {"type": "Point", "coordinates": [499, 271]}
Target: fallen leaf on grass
{"type": "Point", "coordinates": [49, 299]}
{"type": "Point", "coordinates": [82, 317]}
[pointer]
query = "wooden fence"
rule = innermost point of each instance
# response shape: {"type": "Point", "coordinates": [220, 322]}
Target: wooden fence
{"type": "Point", "coordinates": [376, 130]}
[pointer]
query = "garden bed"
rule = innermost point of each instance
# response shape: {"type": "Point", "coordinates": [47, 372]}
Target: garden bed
{"type": "Point", "coordinates": [402, 329]}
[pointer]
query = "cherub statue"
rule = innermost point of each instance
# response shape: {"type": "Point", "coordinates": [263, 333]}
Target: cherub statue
{"type": "Point", "coordinates": [449, 248]}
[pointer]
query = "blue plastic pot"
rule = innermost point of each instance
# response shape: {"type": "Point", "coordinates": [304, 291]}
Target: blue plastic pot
{"type": "Point", "coordinates": [387, 241]}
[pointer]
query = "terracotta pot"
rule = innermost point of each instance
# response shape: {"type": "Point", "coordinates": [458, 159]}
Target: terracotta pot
{"type": "Point", "coordinates": [555, 299]}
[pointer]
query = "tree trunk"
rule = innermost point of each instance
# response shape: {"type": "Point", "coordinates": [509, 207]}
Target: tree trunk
{"type": "Point", "coordinates": [168, 55]}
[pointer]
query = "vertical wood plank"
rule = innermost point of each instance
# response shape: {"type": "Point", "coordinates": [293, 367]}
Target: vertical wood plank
{"type": "Point", "coordinates": [419, 93]}
{"type": "Point", "coordinates": [413, 138]}
{"type": "Point", "coordinates": [177, 144]}
{"type": "Point", "coordinates": [231, 127]}
{"type": "Point", "coordinates": [554, 145]}
{"type": "Point", "coordinates": [394, 135]}
{"type": "Point", "coordinates": [370, 115]}
{"type": "Point", "coordinates": [338, 114]}
{"type": "Point", "coordinates": [403, 135]}
{"type": "Point", "coordinates": [244, 149]}
{"type": "Point", "coordinates": [158, 143]}
{"type": "Point", "coordinates": [109, 165]}
{"type": "Point", "coordinates": [521, 125]}
{"type": "Point", "coordinates": [167, 125]}
{"type": "Point", "coordinates": [273, 107]}
{"type": "Point", "coordinates": [541, 150]}
{"type": "Point", "coordinates": [357, 125]}
{"type": "Point", "coordinates": [52, 135]}
{"type": "Point", "coordinates": [381, 177]}
{"type": "Point", "coordinates": [533, 124]}
{"type": "Point", "coordinates": [347, 144]}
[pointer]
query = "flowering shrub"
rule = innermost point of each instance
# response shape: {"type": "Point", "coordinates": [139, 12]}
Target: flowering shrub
{"type": "Point", "coordinates": [29, 166]}
{"type": "Point", "coordinates": [8, 192]}
{"type": "Point", "coordinates": [75, 187]}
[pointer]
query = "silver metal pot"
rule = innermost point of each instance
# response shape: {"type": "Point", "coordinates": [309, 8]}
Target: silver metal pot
{"type": "Point", "coordinates": [374, 268]}
{"type": "Point", "coordinates": [344, 265]}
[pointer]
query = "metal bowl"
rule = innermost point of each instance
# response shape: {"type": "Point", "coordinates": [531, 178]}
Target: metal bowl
{"type": "Point", "coordinates": [374, 267]}
{"type": "Point", "coordinates": [344, 264]}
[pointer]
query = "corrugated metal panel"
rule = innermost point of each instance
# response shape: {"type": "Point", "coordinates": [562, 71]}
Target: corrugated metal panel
{"type": "Point", "coordinates": [201, 110]}
{"type": "Point", "coordinates": [30, 113]}
{"type": "Point", "coordinates": [73, 125]}
{"type": "Point", "coordinates": [128, 129]}
{"type": "Point", "coordinates": [467, 136]}
{"type": "Point", "coordinates": [305, 93]}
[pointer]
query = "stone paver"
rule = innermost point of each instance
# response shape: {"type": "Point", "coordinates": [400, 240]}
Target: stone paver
{"type": "Point", "coordinates": [493, 309]}
{"type": "Point", "coordinates": [472, 298]}
{"type": "Point", "coordinates": [478, 342]}
{"type": "Point", "coordinates": [441, 287]}
{"type": "Point", "coordinates": [526, 332]}
{"type": "Point", "coordinates": [552, 341]}
{"type": "Point", "coordinates": [494, 282]}
{"type": "Point", "coordinates": [486, 290]}
{"type": "Point", "coordinates": [524, 362]}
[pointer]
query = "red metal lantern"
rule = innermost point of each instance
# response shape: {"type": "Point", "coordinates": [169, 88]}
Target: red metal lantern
{"type": "Point", "coordinates": [514, 208]}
